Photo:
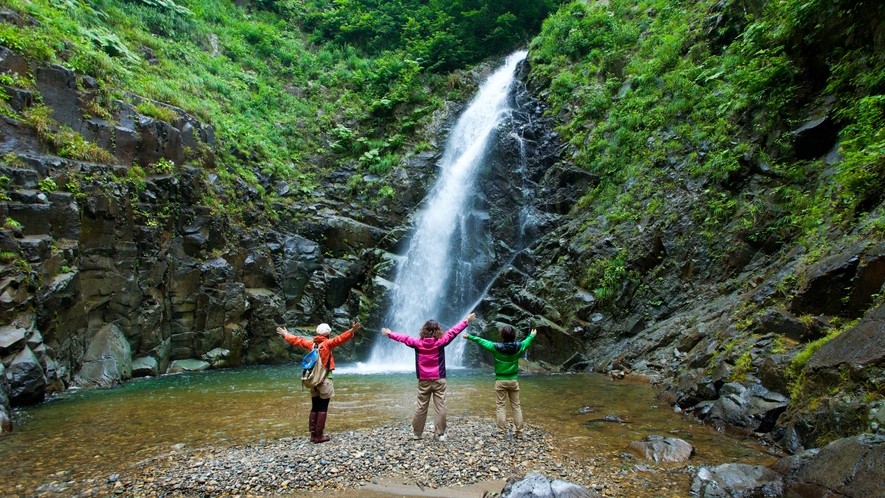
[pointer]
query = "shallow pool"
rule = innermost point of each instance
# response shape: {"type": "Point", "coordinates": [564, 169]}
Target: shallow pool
{"type": "Point", "coordinates": [85, 434]}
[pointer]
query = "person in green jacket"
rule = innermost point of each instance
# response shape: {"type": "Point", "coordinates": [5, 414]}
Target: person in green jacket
{"type": "Point", "coordinates": [506, 367]}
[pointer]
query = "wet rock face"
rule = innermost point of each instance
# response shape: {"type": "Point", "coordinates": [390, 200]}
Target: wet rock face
{"type": "Point", "coordinates": [860, 345]}
{"type": "Point", "coordinates": [852, 466]}
{"type": "Point", "coordinates": [25, 375]}
{"type": "Point", "coordinates": [146, 272]}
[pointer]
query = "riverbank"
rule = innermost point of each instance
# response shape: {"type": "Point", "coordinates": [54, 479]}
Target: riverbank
{"type": "Point", "coordinates": [376, 462]}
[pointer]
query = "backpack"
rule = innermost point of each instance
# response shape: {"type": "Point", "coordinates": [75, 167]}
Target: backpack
{"type": "Point", "coordinates": [313, 372]}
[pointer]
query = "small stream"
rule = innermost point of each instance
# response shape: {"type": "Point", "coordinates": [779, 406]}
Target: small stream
{"type": "Point", "coordinates": [93, 434]}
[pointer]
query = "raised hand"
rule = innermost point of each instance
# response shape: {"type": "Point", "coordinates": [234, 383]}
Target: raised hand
{"type": "Point", "coordinates": [355, 326]}
{"type": "Point", "coordinates": [385, 331]}
{"type": "Point", "coordinates": [471, 317]}
{"type": "Point", "coordinates": [282, 331]}
{"type": "Point", "coordinates": [534, 331]}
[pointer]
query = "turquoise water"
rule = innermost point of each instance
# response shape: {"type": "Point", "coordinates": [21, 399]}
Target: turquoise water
{"type": "Point", "coordinates": [92, 434]}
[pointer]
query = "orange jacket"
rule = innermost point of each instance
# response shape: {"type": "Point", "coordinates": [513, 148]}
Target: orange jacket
{"type": "Point", "coordinates": [325, 345]}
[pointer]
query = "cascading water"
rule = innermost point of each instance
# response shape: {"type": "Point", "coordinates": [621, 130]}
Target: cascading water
{"type": "Point", "coordinates": [437, 278]}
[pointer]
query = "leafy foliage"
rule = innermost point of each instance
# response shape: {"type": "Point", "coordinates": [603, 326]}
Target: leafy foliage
{"type": "Point", "coordinates": [440, 35]}
{"type": "Point", "coordinates": [653, 93]}
{"type": "Point", "coordinates": [291, 87]}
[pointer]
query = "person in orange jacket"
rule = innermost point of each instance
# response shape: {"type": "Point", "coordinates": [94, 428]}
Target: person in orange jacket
{"type": "Point", "coordinates": [323, 392]}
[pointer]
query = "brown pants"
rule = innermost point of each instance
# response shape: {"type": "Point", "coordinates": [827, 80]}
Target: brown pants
{"type": "Point", "coordinates": [508, 389]}
{"type": "Point", "coordinates": [428, 389]}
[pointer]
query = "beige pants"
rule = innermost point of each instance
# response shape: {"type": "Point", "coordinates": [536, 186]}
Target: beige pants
{"type": "Point", "coordinates": [505, 389]}
{"type": "Point", "coordinates": [325, 390]}
{"type": "Point", "coordinates": [427, 389]}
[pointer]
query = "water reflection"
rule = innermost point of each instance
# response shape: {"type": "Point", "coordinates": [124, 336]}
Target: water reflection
{"type": "Point", "coordinates": [90, 434]}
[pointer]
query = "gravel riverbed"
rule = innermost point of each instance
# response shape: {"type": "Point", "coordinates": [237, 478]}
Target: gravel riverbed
{"type": "Point", "coordinates": [356, 460]}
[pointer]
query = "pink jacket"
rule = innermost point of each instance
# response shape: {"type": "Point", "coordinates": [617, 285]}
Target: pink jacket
{"type": "Point", "coordinates": [430, 357]}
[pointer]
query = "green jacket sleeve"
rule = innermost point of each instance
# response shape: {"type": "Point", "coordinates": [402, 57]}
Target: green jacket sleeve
{"type": "Point", "coordinates": [526, 343]}
{"type": "Point", "coordinates": [485, 344]}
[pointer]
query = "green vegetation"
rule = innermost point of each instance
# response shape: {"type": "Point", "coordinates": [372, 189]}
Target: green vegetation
{"type": "Point", "coordinates": [291, 87]}
{"type": "Point", "coordinates": [11, 224]}
{"type": "Point", "coordinates": [439, 35]}
{"type": "Point", "coordinates": [66, 142]}
{"type": "Point", "coordinates": [47, 185]}
{"type": "Point", "coordinates": [656, 95]}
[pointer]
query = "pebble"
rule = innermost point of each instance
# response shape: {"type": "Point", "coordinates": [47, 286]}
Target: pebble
{"type": "Point", "coordinates": [471, 453]}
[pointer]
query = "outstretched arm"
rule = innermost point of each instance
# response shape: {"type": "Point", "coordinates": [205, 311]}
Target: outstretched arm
{"type": "Point", "coordinates": [528, 340]}
{"type": "Point", "coordinates": [346, 336]}
{"type": "Point", "coordinates": [294, 339]}
{"type": "Point", "coordinates": [454, 331]}
{"type": "Point", "coordinates": [483, 343]}
{"type": "Point", "coordinates": [405, 339]}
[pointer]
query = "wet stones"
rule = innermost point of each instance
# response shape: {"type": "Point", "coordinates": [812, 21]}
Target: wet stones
{"type": "Point", "coordinates": [537, 486]}
{"type": "Point", "coordinates": [736, 480]}
{"type": "Point", "coordinates": [351, 460]}
{"type": "Point", "coordinates": [661, 449]}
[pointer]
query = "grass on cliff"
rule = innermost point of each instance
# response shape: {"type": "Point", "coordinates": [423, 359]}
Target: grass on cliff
{"type": "Point", "coordinates": [293, 89]}
{"type": "Point", "coordinates": [698, 97]}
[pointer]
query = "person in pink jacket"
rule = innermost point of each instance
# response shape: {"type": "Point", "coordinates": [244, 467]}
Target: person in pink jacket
{"type": "Point", "coordinates": [430, 365]}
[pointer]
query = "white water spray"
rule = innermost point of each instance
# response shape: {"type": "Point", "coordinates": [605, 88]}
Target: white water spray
{"type": "Point", "coordinates": [434, 281]}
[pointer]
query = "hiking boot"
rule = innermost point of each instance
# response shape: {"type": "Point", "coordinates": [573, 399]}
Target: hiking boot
{"type": "Point", "coordinates": [442, 437]}
{"type": "Point", "coordinates": [312, 424]}
{"type": "Point", "coordinates": [416, 436]}
{"type": "Point", "coordinates": [318, 436]}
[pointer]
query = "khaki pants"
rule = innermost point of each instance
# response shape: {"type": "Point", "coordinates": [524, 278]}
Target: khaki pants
{"type": "Point", "coordinates": [505, 389]}
{"type": "Point", "coordinates": [428, 389]}
{"type": "Point", "coordinates": [325, 389]}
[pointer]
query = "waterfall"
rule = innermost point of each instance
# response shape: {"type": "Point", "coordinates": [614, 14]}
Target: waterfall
{"type": "Point", "coordinates": [437, 278]}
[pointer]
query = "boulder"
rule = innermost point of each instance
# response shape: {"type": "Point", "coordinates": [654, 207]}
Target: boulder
{"type": "Point", "coordinates": [5, 421]}
{"type": "Point", "coordinates": [863, 344]}
{"type": "Point", "coordinates": [537, 486]}
{"type": "Point", "coordinates": [853, 466]}
{"type": "Point", "coordinates": [189, 365]}
{"type": "Point", "coordinates": [736, 480]}
{"type": "Point", "coordinates": [145, 367]}
{"type": "Point", "coordinates": [782, 322]}
{"type": "Point", "coordinates": [218, 357]}
{"type": "Point", "coordinates": [563, 489]}
{"type": "Point", "coordinates": [58, 88]}
{"type": "Point", "coordinates": [10, 62]}
{"type": "Point", "coordinates": [107, 361]}
{"type": "Point", "coordinates": [661, 449]}
{"type": "Point", "coordinates": [868, 280]}
{"type": "Point", "coordinates": [753, 408]}
{"type": "Point", "coordinates": [27, 383]}
{"type": "Point", "coordinates": [814, 138]}
{"type": "Point", "coordinates": [4, 388]}
{"type": "Point", "coordinates": [343, 234]}
{"type": "Point", "coordinates": [828, 282]}
{"type": "Point", "coordinates": [11, 339]}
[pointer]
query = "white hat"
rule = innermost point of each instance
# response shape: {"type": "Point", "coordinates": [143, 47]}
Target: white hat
{"type": "Point", "coordinates": [323, 329]}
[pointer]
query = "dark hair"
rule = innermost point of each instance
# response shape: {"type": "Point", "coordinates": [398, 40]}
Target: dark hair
{"type": "Point", "coordinates": [431, 329]}
{"type": "Point", "coordinates": [508, 334]}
